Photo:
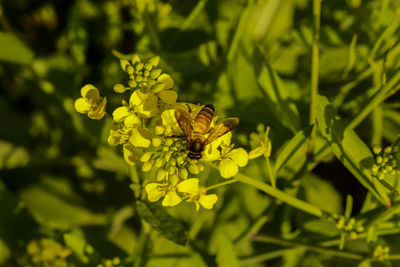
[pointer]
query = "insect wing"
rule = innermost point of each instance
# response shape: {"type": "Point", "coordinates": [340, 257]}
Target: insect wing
{"type": "Point", "coordinates": [184, 120]}
{"type": "Point", "coordinates": [221, 128]}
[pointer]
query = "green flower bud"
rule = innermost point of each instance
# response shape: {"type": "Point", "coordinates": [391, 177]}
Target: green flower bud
{"type": "Point", "coordinates": [379, 159]}
{"type": "Point", "coordinates": [381, 175]}
{"type": "Point", "coordinates": [171, 170]}
{"type": "Point", "coordinates": [139, 79]}
{"type": "Point", "coordinates": [193, 169]}
{"type": "Point", "coordinates": [159, 162]}
{"type": "Point", "coordinates": [183, 173]}
{"type": "Point", "coordinates": [360, 228]}
{"type": "Point", "coordinates": [385, 159]}
{"type": "Point", "coordinates": [169, 142]}
{"type": "Point", "coordinates": [388, 150]}
{"type": "Point", "coordinates": [375, 169]}
{"type": "Point", "coordinates": [161, 174]}
{"type": "Point", "coordinates": [353, 235]}
{"type": "Point", "coordinates": [172, 162]}
{"type": "Point", "coordinates": [135, 59]}
{"type": "Point", "coordinates": [116, 261]}
{"type": "Point", "coordinates": [377, 149]}
{"type": "Point", "coordinates": [147, 166]}
{"type": "Point", "coordinates": [139, 66]}
{"type": "Point", "coordinates": [132, 83]}
{"type": "Point", "coordinates": [119, 88]}
{"type": "Point", "coordinates": [180, 160]}
{"type": "Point", "coordinates": [153, 62]}
{"type": "Point", "coordinates": [155, 73]}
{"type": "Point", "coordinates": [146, 74]}
{"type": "Point", "coordinates": [130, 70]}
{"type": "Point", "coordinates": [146, 156]}
{"type": "Point", "coordinates": [124, 64]}
{"type": "Point", "coordinates": [156, 142]}
{"type": "Point", "coordinates": [168, 155]}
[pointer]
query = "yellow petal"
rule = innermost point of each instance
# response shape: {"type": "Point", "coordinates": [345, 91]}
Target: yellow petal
{"type": "Point", "coordinates": [208, 201]}
{"type": "Point", "coordinates": [153, 192]}
{"type": "Point", "coordinates": [99, 112]}
{"type": "Point", "coordinates": [228, 168]}
{"type": "Point", "coordinates": [239, 156]}
{"type": "Point", "coordinates": [225, 139]}
{"type": "Point", "coordinates": [115, 137]}
{"type": "Point", "coordinates": [171, 199]}
{"type": "Point", "coordinates": [169, 122]}
{"type": "Point", "coordinates": [91, 92]}
{"type": "Point", "coordinates": [137, 98]}
{"type": "Point", "coordinates": [121, 113]}
{"type": "Point", "coordinates": [211, 153]}
{"type": "Point", "coordinates": [166, 80]}
{"type": "Point", "coordinates": [168, 96]}
{"type": "Point", "coordinates": [130, 155]}
{"type": "Point", "coordinates": [82, 105]}
{"type": "Point", "coordinates": [132, 121]}
{"type": "Point", "coordinates": [140, 137]}
{"type": "Point", "coordinates": [190, 186]}
{"type": "Point", "coordinates": [256, 152]}
{"type": "Point", "coordinates": [149, 107]}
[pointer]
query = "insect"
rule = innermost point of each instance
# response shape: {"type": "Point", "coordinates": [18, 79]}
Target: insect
{"type": "Point", "coordinates": [195, 129]}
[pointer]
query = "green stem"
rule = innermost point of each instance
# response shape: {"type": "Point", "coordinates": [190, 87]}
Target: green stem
{"type": "Point", "coordinates": [238, 34]}
{"type": "Point", "coordinates": [136, 184]}
{"type": "Point", "coordinates": [332, 252]}
{"type": "Point", "coordinates": [268, 256]}
{"type": "Point", "coordinates": [230, 181]}
{"type": "Point", "coordinates": [269, 170]}
{"type": "Point", "coordinates": [376, 99]}
{"type": "Point", "coordinates": [274, 192]}
{"type": "Point", "coordinates": [314, 72]}
{"type": "Point", "coordinates": [152, 31]}
{"type": "Point", "coordinates": [189, 20]}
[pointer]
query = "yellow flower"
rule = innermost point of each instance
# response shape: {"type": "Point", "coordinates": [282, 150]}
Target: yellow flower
{"type": "Point", "coordinates": [197, 194]}
{"type": "Point", "coordinates": [91, 103]}
{"type": "Point", "coordinates": [155, 191]}
{"type": "Point", "coordinates": [264, 148]}
{"type": "Point", "coordinates": [232, 159]}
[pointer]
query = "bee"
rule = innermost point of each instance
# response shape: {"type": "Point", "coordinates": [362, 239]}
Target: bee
{"type": "Point", "coordinates": [195, 129]}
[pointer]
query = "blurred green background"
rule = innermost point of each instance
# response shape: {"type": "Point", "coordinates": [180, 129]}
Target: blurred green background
{"type": "Point", "coordinates": [61, 181]}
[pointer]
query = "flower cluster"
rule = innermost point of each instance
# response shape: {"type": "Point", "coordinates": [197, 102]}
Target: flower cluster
{"type": "Point", "coordinates": [349, 226]}
{"type": "Point", "coordinates": [261, 143]}
{"type": "Point", "coordinates": [381, 253]}
{"type": "Point", "coordinates": [116, 261]}
{"type": "Point", "coordinates": [150, 135]}
{"type": "Point", "coordinates": [91, 102]}
{"type": "Point", "coordinates": [48, 253]}
{"type": "Point", "coordinates": [386, 161]}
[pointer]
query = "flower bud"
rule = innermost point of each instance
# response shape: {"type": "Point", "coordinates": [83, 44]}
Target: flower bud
{"type": "Point", "coordinates": [158, 163]}
{"type": "Point", "coordinates": [193, 169]}
{"type": "Point", "coordinates": [147, 166]}
{"type": "Point", "coordinates": [146, 156]}
{"type": "Point", "coordinates": [161, 174]}
{"type": "Point", "coordinates": [183, 173]}
{"type": "Point", "coordinates": [171, 170]}
{"type": "Point", "coordinates": [132, 83]}
{"type": "Point", "coordinates": [377, 149]}
{"type": "Point", "coordinates": [156, 142]}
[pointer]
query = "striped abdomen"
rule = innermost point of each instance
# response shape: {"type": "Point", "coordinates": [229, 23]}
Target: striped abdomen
{"type": "Point", "coordinates": [203, 119]}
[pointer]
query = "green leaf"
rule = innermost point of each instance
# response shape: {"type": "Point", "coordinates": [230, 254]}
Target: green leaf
{"type": "Point", "coordinates": [157, 217]}
{"type": "Point", "coordinates": [277, 97]}
{"type": "Point", "coordinates": [291, 147]}
{"type": "Point", "coordinates": [226, 254]}
{"type": "Point", "coordinates": [322, 227]}
{"type": "Point", "coordinates": [13, 50]}
{"type": "Point", "coordinates": [321, 193]}
{"type": "Point", "coordinates": [77, 242]}
{"type": "Point", "coordinates": [52, 210]}
{"type": "Point", "coordinates": [348, 148]}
